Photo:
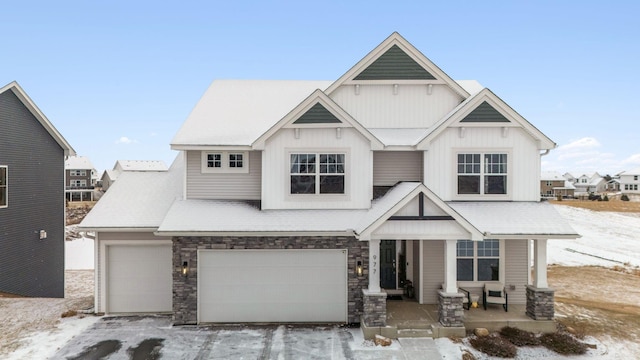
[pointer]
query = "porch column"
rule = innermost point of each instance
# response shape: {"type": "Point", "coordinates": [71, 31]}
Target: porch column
{"type": "Point", "coordinates": [540, 258]}
{"type": "Point", "coordinates": [374, 266]}
{"type": "Point", "coordinates": [450, 267]}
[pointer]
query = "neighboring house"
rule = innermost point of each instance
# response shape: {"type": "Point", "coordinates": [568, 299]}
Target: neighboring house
{"type": "Point", "coordinates": [586, 184]}
{"type": "Point", "coordinates": [79, 183]}
{"type": "Point", "coordinates": [32, 214]}
{"type": "Point", "coordinates": [310, 201]}
{"type": "Point", "coordinates": [569, 177]}
{"type": "Point", "coordinates": [630, 181]}
{"type": "Point", "coordinates": [110, 176]}
{"type": "Point", "coordinates": [552, 184]}
{"type": "Point", "coordinates": [613, 185]}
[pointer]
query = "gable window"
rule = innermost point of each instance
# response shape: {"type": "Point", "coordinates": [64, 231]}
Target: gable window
{"type": "Point", "coordinates": [482, 174]}
{"type": "Point", "coordinates": [4, 189]}
{"type": "Point", "coordinates": [225, 162]}
{"type": "Point", "coordinates": [317, 173]}
{"type": "Point", "coordinates": [478, 260]}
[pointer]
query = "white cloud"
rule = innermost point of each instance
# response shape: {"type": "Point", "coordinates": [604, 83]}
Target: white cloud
{"type": "Point", "coordinates": [580, 144]}
{"type": "Point", "coordinates": [632, 160]}
{"type": "Point", "coordinates": [125, 140]}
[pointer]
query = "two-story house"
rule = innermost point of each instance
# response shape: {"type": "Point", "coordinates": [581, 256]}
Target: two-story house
{"type": "Point", "coordinates": [110, 176]}
{"type": "Point", "coordinates": [552, 184]}
{"type": "Point", "coordinates": [586, 184]}
{"type": "Point", "coordinates": [32, 186]}
{"type": "Point", "coordinates": [310, 201]}
{"type": "Point", "coordinates": [630, 181]}
{"type": "Point", "coordinates": [79, 182]}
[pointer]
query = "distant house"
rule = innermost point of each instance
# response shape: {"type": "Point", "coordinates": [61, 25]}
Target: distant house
{"type": "Point", "coordinates": [110, 176]}
{"type": "Point", "coordinates": [586, 184]}
{"type": "Point", "coordinates": [630, 181]}
{"type": "Point", "coordinates": [79, 182]}
{"type": "Point", "coordinates": [32, 186]}
{"type": "Point", "coordinates": [613, 185]}
{"type": "Point", "coordinates": [553, 184]}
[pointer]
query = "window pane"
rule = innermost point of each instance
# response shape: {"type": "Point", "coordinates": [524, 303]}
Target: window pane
{"type": "Point", "coordinates": [495, 184]}
{"type": "Point", "coordinates": [489, 247]}
{"type": "Point", "coordinates": [465, 269]}
{"type": "Point", "coordinates": [303, 184]}
{"type": "Point", "coordinates": [332, 184]}
{"type": "Point", "coordinates": [464, 248]}
{"type": "Point", "coordinates": [468, 184]}
{"type": "Point", "coordinates": [488, 270]}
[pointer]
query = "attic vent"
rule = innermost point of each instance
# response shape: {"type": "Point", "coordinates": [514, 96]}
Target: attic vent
{"type": "Point", "coordinates": [318, 114]}
{"type": "Point", "coordinates": [394, 64]}
{"type": "Point", "coordinates": [484, 113]}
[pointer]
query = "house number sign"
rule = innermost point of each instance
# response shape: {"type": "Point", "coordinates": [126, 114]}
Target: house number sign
{"type": "Point", "coordinates": [375, 267]}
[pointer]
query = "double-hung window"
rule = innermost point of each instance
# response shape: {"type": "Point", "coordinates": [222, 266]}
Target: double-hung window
{"type": "Point", "coordinates": [478, 260]}
{"type": "Point", "coordinates": [224, 162]}
{"type": "Point", "coordinates": [482, 174]}
{"type": "Point", "coordinates": [317, 173]}
{"type": "Point", "coordinates": [4, 189]}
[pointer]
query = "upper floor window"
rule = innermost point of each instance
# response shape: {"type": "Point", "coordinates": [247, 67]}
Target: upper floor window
{"type": "Point", "coordinates": [4, 188]}
{"type": "Point", "coordinates": [482, 174]}
{"type": "Point", "coordinates": [78, 183]}
{"type": "Point", "coordinates": [317, 173]}
{"type": "Point", "coordinates": [478, 260]}
{"type": "Point", "coordinates": [77, 172]}
{"type": "Point", "coordinates": [549, 183]}
{"type": "Point", "coordinates": [225, 162]}
{"type": "Point", "coordinates": [635, 177]}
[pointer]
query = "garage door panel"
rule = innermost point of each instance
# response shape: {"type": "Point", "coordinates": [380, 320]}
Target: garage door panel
{"type": "Point", "coordinates": [139, 278]}
{"type": "Point", "coordinates": [272, 286]}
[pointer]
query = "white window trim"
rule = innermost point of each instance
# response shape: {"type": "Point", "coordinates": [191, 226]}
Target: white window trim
{"type": "Point", "coordinates": [224, 169]}
{"type": "Point", "coordinates": [6, 186]}
{"type": "Point", "coordinates": [482, 196]}
{"type": "Point", "coordinates": [318, 196]}
{"type": "Point", "coordinates": [501, 264]}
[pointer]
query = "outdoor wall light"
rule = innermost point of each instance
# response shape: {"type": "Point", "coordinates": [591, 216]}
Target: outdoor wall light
{"type": "Point", "coordinates": [43, 234]}
{"type": "Point", "coordinates": [185, 268]}
{"type": "Point", "coordinates": [359, 267]}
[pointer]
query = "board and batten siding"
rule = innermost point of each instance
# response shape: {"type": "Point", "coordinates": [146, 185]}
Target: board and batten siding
{"type": "Point", "coordinates": [391, 167]}
{"type": "Point", "coordinates": [516, 269]}
{"type": "Point", "coordinates": [223, 186]}
{"type": "Point", "coordinates": [276, 172]}
{"type": "Point", "coordinates": [31, 266]}
{"type": "Point", "coordinates": [109, 238]}
{"type": "Point", "coordinates": [433, 270]}
{"type": "Point", "coordinates": [376, 106]}
{"type": "Point", "coordinates": [523, 180]}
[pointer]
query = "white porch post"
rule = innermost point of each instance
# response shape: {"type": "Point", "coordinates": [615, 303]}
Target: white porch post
{"type": "Point", "coordinates": [450, 267]}
{"type": "Point", "coordinates": [540, 258]}
{"type": "Point", "coordinates": [374, 266]}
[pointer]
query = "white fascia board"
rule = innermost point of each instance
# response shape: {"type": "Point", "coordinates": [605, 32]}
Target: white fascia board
{"type": "Point", "coordinates": [185, 147]}
{"type": "Point", "coordinates": [253, 233]}
{"type": "Point", "coordinates": [117, 229]}
{"type": "Point", "coordinates": [534, 236]}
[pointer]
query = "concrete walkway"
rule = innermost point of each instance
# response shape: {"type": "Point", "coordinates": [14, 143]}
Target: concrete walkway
{"type": "Point", "coordinates": [155, 338]}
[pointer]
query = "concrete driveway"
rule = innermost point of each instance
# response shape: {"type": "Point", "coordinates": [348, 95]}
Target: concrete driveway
{"type": "Point", "coordinates": [154, 337]}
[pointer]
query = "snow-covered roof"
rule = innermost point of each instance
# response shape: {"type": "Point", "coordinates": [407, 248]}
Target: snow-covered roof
{"type": "Point", "coordinates": [78, 163]}
{"type": "Point", "coordinates": [632, 172]}
{"type": "Point", "coordinates": [140, 165]}
{"type": "Point", "coordinates": [138, 200]}
{"type": "Point", "coordinates": [504, 219]}
{"type": "Point", "coordinates": [551, 176]}
{"type": "Point", "coordinates": [471, 86]}
{"type": "Point", "coordinates": [237, 112]}
{"type": "Point", "coordinates": [399, 137]}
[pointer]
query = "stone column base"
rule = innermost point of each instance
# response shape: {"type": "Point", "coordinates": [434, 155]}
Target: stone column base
{"type": "Point", "coordinates": [450, 311]}
{"type": "Point", "coordinates": [540, 303]}
{"type": "Point", "coordinates": [374, 308]}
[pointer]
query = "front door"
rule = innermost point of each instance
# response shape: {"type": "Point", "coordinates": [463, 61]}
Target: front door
{"type": "Point", "coordinates": [388, 264]}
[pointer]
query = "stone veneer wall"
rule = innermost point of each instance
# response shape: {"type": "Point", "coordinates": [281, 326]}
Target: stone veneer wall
{"type": "Point", "coordinates": [450, 311]}
{"type": "Point", "coordinates": [375, 309]}
{"type": "Point", "coordinates": [540, 303]}
{"type": "Point", "coordinates": [185, 298]}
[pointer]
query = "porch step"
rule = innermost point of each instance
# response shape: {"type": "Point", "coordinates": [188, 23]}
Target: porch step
{"type": "Point", "coordinates": [415, 333]}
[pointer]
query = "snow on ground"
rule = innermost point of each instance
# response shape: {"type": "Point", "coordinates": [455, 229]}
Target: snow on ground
{"type": "Point", "coordinates": [608, 239]}
{"type": "Point", "coordinates": [78, 254]}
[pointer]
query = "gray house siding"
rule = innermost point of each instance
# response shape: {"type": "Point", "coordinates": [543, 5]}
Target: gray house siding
{"type": "Point", "coordinates": [318, 114]}
{"type": "Point", "coordinates": [433, 267]}
{"type": "Point", "coordinates": [484, 113]}
{"type": "Point", "coordinates": [394, 64]}
{"type": "Point", "coordinates": [225, 186]}
{"type": "Point", "coordinates": [390, 167]}
{"type": "Point", "coordinates": [516, 268]}
{"type": "Point", "coordinates": [30, 266]}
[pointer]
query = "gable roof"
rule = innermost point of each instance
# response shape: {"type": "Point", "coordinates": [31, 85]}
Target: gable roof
{"type": "Point", "coordinates": [78, 163]}
{"type": "Point", "coordinates": [317, 97]}
{"type": "Point", "coordinates": [631, 172]}
{"type": "Point", "coordinates": [225, 117]}
{"type": "Point", "coordinates": [140, 165]}
{"type": "Point", "coordinates": [35, 111]}
{"type": "Point", "coordinates": [455, 117]}
{"type": "Point", "coordinates": [397, 50]}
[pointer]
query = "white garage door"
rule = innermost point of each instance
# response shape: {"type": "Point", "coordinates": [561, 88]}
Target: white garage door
{"type": "Point", "coordinates": [272, 286]}
{"type": "Point", "coordinates": [139, 278]}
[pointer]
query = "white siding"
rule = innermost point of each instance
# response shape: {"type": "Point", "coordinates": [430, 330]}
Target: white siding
{"type": "Point", "coordinates": [421, 229]}
{"type": "Point", "coordinates": [433, 270]}
{"type": "Point", "coordinates": [412, 208]}
{"type": "Point", "coordinates": [276, 175]}
{"type": "Point", "coordinates": [228, 186]}
{"type": "Point", "coordinates": [377, 107]}
{"type": "Point", "coordinates": [523, 161]}
{"type": "Point", "coordinates": [516, 268]}
{"type": "Point", "coordinates": [391, 167]}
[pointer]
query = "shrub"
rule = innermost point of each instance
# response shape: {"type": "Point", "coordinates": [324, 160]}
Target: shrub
{"type": "Point", "coordinates": [563, 344]}
{"type": "Point", "coordinates": [494, 345]}
{"type": "Point", "coordinates": [69, 313]}
{"type": "Point", "coordinates": [605, 198]}
{"type": "Point", "coordinates": [519, 337]}
{"type": "Point", "coordinates": [624, 197]}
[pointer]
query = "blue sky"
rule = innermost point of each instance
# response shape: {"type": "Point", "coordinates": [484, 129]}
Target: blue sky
{"type": "Point", "coordinates": [118, 78]}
